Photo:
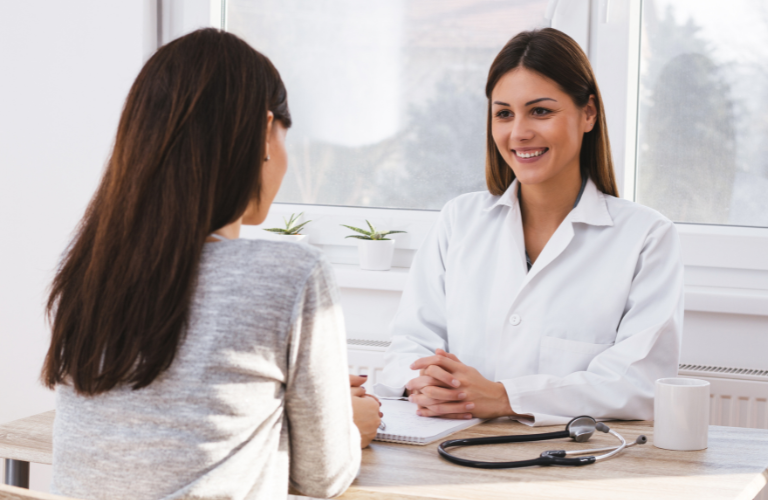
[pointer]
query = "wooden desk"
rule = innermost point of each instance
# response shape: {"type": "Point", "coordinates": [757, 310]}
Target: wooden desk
{"type": "Point", "coordinates": [24, 441]}
{"type": "Point", "coordinates": [28, 439]}
{"type": "Point", "coordinates": [733, 467]}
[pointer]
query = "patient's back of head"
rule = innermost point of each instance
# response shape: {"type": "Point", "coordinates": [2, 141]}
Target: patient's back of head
{"type": "Point", "coordinates": [186, 161]}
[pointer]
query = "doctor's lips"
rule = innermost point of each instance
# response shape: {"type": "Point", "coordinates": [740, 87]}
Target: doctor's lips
{"type": "Point", "coordinates": [529, 155]}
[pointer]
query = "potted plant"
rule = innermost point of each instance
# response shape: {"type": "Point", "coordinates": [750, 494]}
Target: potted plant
{"type": "Point", "coordinates": [374, 248]}
{"type": "Point", "coordinates": [291, 230]}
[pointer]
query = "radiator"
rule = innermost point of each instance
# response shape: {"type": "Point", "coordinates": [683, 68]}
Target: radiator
{"type": "Point", "coordinates": [738, 396]}
{"type": "Point", "coordinates": [366, 357]}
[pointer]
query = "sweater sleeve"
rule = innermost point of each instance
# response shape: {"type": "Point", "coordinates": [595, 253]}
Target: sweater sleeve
{"type": "Point", "coordinates": [325, 443]}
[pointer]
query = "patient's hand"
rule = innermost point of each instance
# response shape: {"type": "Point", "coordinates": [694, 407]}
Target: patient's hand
{"type": "Point", "coordinates": [448, 388]}
{"type": "Point", "coordinates": [365, 410]}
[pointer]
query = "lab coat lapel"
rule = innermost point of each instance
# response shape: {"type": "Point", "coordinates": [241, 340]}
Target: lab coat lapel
{"type": "Point", "coordinates": [509, 268]}
{"type": "Point", "coordinates": [591, 209]}
{"type": "Point", "coordinates": [556, 245]}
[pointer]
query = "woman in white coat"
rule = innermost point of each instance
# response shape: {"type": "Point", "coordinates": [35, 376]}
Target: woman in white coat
{"type": "Point", "coordinates": [546, 297]}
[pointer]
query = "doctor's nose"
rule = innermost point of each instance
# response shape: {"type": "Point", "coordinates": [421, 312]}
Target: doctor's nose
{"type": "Point", "coordinates": [520, 132]}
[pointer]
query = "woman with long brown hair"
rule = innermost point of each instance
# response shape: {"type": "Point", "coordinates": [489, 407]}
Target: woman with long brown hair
{"type": "Point", "coordinates": [546, 297]}
{"type": "Point", "coordinates": [188, 363]}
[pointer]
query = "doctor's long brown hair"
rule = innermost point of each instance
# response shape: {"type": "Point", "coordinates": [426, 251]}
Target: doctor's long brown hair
{"type": "Point", "coordinates": [186, 161]}
{"type": "Point", "coordinates": [556, 56]}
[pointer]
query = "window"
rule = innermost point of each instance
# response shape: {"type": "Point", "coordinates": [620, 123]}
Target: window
{"type": "Point", "coordinates": [683, 82]}
{"type": "Point", "coordinates": [387, 95]}
{"type": "Point", "coordinates": [702, 154]}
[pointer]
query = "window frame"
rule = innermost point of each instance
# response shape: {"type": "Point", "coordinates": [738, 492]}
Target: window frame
{"type": "Point", "coordinates": [609, 30]}
{"type": "Point", "coordinates": [615, 56]}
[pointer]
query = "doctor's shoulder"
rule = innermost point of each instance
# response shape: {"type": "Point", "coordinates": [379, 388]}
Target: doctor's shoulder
{"type": "Point", "coordinates": [467, 208]}
{"type": "Point", "coordinates": [639, 220]}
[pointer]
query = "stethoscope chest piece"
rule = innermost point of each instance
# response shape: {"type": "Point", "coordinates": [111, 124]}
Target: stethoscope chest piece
{"type": "Point", "coordinates": [580, 429]}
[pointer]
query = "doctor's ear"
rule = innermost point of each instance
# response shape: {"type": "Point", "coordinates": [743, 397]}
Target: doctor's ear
{"type": "Point", "coordinates": [590, 114]}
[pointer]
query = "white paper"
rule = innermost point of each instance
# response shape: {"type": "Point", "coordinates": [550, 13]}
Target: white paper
{"type": "Point", "coordinates": [403, 425]}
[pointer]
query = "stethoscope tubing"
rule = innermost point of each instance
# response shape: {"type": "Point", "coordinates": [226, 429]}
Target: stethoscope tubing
{"type": "Point", "coordinates": [542, 460]}
{"type": "Point", "coordinates": [551, 457]}
{"type": "Point", "coordinates": [622, 446]}
{"type": "Point", "coordinates": [442, 450]}
{"type": "Point", "coordinates": [523, 438]}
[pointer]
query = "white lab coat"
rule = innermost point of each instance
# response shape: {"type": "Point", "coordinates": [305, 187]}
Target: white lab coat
{"type": "Point", "coordinates": [586, 331]}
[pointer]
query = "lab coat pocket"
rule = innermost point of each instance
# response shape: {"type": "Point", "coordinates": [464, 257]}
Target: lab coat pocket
{"type": "Point", "coordinates": [561, 357]}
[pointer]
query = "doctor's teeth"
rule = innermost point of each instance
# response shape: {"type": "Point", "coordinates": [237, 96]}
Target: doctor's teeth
{"type": "Point", "coordinates": [531, 154]}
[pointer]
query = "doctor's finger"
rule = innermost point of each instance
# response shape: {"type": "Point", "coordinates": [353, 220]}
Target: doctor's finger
{"type": "Point", "coordinates": [424, 401]}
{"type": "Point", "coordinates": [441, 411]}
{"type": "Point", "coordinates": [444, 394]}
{"type": "Point", "coordinates": [436, 360]}
{"type": "Point", "coordinates": [448, 355]}
{"type": "Point", "coordinates": [418, 383]}
{"type": "Point", "coordinates": [455, 407]}
{"type": "Point", "coordinates": [440, 374]}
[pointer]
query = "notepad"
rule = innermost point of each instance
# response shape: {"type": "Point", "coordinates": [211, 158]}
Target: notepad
{"type": "Point", "coordinates": [404, 426]}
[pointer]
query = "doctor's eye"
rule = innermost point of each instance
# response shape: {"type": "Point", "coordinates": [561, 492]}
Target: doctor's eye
{"type": "Point", "coordinates": [540, 111]}
{"type": "Point", "coordinates": [504, 113]}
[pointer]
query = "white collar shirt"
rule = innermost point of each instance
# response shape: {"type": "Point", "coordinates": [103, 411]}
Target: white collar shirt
{"type": "Point", "coordinates": [587, 331]}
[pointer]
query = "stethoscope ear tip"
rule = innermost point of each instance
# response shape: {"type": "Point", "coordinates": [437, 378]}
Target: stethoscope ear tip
{"type": "Point", "coordinates": [641, 439]}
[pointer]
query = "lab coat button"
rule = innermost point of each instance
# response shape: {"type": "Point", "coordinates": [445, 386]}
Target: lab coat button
{"type": "Point", "coordinates": [514, 320]}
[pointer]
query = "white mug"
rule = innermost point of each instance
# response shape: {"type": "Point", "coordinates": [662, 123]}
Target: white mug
{"type": "Point", "coordinates": [681, 414]}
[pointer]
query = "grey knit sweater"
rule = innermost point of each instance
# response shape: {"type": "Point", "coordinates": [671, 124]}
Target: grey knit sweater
{"type": "Point", "coordinates": [258, 392]}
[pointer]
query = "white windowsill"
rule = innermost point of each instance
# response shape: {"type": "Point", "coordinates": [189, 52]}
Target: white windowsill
{"type": "Point", "coordinates": [351, 276]}
{"type": "Point", "coordinates": [726, 300]}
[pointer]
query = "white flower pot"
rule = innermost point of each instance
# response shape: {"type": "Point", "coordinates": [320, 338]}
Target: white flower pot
{"type": "Point", "coordinates": [296, 238]}
{"type": "Point", "coordinates": [376, 255]}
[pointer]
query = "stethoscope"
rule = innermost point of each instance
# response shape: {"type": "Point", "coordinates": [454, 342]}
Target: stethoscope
{"type": "Point", "coordinates": [580, 429]}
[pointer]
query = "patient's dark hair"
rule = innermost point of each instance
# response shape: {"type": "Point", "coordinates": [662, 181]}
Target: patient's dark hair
{"type": "Point", "coordinates": [556, 56]}
{"type": "Point", "coordinates": [187, 160]}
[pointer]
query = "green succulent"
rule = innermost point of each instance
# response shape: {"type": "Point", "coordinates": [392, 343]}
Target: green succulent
{"type": "Point", "coordinates": [290, 228]}
{"type": "Point", "coordinates": [373, 234]}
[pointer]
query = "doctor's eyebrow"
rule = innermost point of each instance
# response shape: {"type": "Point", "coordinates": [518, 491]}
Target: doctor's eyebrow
{"type": "Point", "coordinates": [539, 100]}
{"type": "Point", "coordinates": [527, 103]}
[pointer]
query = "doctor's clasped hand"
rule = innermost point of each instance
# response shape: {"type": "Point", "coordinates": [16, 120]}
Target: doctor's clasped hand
{"type": "Point", "coordinates": [448, 388]}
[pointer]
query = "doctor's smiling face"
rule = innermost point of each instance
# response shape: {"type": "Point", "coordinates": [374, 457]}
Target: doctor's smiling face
{"type": "Point", "coordinates": [537, 127]}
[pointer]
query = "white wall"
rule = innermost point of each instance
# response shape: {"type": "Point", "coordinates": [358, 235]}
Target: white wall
{"type": "Point", "coordinates": [66, 69]}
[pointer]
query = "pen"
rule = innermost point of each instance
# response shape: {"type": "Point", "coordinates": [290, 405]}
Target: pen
{"type": "Point", "coordinates": [382, 426]}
